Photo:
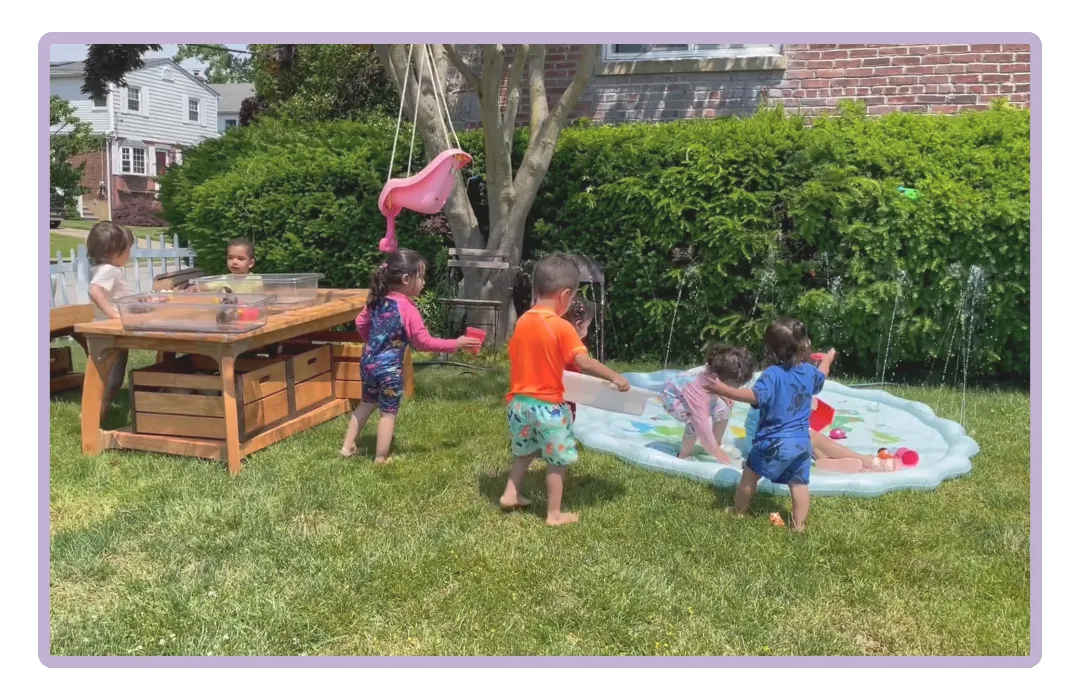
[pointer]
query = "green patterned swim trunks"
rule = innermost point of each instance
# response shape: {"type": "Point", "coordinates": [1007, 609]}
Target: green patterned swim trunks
{"type": "Point", "coordinates": [539, 426]}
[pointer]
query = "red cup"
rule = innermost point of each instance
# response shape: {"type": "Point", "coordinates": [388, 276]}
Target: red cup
{"type": "Point", "coordinates": [478, 334]}
{"type": "Point", "coordinates": [822, 417]}
{"type": "Point", "coordinates": [817, 356]}
{"type": "Point", "coordinates": [909, 458]}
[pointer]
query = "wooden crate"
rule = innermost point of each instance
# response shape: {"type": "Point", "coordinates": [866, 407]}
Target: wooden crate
{"type": "Point", "coordinates": [346, 368]}
{"type": "Point", "coordinates": [59, 361]}
{"type": "Point", "coordinates": [61, 378]}
{"type": "Point", "coordinates": [182, 397]}
{"type": "Point", "coordinates": [312, 382]}
{"type": "Point", "coordinates": [346, 347]}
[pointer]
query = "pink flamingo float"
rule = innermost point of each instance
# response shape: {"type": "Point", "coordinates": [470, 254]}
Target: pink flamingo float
{"type": "Point", "coordinates": [425, 192]}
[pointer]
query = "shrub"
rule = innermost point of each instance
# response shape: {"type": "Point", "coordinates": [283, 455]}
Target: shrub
{"type": "Point", "coordinates": [773, 218]}
{"type": "Point", "coordinates": [783, 219]}
{"type": "Point", "coordinates": [139, 210]}
{"type": "Point", "coordinates": [306, 197]}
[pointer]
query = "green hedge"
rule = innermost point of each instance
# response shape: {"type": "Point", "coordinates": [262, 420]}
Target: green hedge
{"type": "Point", "coordinates": [306, 196]}
{"type": "Point", "coordinates": [778, 219]}
{"type": "Point", "coordinates": [786, 219]}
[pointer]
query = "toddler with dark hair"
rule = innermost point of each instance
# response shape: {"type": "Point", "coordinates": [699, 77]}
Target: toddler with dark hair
{"type": "Point", "coordinates": [686, 397]}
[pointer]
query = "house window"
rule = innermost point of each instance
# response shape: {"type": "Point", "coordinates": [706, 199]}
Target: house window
{"type": "Point", "coordinates": [100, 102]}
{"type": "Point", "coordinates": [192, 109]}
{"type": "Point", "coordinates": [230, 123]}
{"type": "Point", "coordinates": [133, 160]}
{"type": "Point", "coordinates": [652, 52]}
{"type": "Point", "coordinates": [134, 99]}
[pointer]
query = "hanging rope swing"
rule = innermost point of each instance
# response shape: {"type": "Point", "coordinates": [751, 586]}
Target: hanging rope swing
{"type": "Point", "coordinates": [425, 192]}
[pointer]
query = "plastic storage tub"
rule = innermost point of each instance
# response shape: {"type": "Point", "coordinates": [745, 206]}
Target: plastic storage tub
{"type": "Point", "coordinates": [287, 291]}
{"type": "Point", "coordinates": [193, 313]}
{"type": "Point", "coordinates": [590, 391]}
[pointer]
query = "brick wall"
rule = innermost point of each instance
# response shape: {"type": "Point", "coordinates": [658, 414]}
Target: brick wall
{"type": "Point", "coordinates": [92, 177]}
{"type": "Point", "coordinates": [924, 78]}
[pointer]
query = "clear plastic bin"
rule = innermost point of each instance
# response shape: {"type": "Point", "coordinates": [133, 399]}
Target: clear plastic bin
{"type": "Point", "coordinates": [590, 391]}
{"type": "Point", "coordinates": [286, 291]}
{"type": "Point", "coordinates": [193, 313]}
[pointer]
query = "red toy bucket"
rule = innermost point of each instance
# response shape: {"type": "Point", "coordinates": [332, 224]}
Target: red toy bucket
{"type": "Point", "coordinates": [822, 417]}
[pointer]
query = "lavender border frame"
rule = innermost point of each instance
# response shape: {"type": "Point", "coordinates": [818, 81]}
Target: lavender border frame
{"type": "Point", "coordinates": [1035, 648]}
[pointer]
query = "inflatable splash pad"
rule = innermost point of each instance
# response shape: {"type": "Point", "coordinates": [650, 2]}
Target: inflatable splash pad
{"type": "Point", "coordinates": [871, 419]}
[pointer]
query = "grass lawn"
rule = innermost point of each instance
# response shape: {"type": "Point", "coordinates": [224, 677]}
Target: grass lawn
{"type": "Point", "coordinates": [137, 230]}
{"type": "Point", "coordinates": [65, 244]}
{"type": "Point", "coordinates": [308, 553]}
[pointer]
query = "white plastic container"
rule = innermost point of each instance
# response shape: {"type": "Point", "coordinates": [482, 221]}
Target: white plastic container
{"type": "Point", "coordinates": [590, 391]}
{"type": "Point", "coordinates": [192, 313]}
{"type": "Point", "coordinates": [287, 291]}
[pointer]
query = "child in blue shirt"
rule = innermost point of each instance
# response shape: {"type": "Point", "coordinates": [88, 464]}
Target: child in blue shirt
{"type": "Point", "coordinates": [781, 450]}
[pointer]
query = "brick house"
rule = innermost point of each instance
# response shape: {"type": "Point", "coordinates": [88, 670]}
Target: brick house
{"type": "Point", "coordinates": [146, 125]}
{"type": "Point", "coordinates": [661, 82]}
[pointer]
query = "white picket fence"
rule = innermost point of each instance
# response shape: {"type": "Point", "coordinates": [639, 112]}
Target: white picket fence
{"type": "Point", "coordinates": [69, 277]}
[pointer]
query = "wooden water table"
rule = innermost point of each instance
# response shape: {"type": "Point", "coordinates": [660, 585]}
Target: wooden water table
{"type": "Point", "coordinates": [223, 396]}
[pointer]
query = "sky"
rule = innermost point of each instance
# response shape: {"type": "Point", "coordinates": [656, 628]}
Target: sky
{"type": "Point", "coordinates": [77, 52]}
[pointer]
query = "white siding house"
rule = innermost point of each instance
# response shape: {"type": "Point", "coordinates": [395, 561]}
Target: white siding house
{"type": "Point", "coordinates": [147, 124]}
{"type": "Point", "coordinates": [231, 97]}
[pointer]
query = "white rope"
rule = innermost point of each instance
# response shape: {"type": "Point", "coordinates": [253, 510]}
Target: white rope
{"type": "Point", "coordinates": [416, 112]}
{"type": "Point", "coordinates": [401, 107]}
{"type": "Point", "coordinates": [435, 70]}
{"type": "Point", "coordinates": [435, 84]}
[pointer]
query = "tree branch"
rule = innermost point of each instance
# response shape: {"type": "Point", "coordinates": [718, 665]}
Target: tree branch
{"type": "Point", "coordinates": [538, 104]}
{"type": "Point", "coordinates": [513, 95]}
{"type": "Point", "coordinates": [491, 72]}
{"type": "Point", "coordinates": [470, 76]}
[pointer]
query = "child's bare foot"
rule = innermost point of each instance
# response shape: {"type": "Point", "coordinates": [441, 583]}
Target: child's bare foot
{"type": "Point", "coordinates": [730, 510]}
{"type": "Point", "coordinates": [348, 451]}
{"type": "Point", "coordinates": [383, 460]}
{"type": "Point", "coordinates": [512, 503]}
{"type": "Point", "coordinates": [556, 519]}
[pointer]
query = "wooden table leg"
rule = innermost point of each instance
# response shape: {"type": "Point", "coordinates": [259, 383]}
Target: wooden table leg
{"type": "Point", "coordinates": [232, 422]}
{"type": "Point", "coordinates": [78, 338]}
{"type": "Point", "coordinates": [99, 362]}
{"type": "Point", "coordinates": [410, 386]}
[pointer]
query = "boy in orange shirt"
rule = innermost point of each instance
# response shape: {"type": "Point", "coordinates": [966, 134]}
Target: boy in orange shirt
{"type": "Point", "coordinates": [542, 346]}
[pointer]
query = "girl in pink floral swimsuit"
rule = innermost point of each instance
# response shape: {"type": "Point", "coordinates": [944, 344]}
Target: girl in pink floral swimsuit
{"type": "Point", "coordinates": [706, 416]}
{"type": "Point", "coordinates": [389, 324]}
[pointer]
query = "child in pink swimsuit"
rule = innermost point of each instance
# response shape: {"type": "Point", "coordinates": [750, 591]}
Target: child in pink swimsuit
{"type": "Point", "coordinates": [705, 415]}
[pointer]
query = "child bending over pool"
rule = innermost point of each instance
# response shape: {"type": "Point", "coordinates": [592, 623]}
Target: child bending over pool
{"type": "Point", "coordinates": [389, 324]}
{"type": "Point", "coordinates": [686, 397]}
{"type": "Point", "coordinates": [781, 450]}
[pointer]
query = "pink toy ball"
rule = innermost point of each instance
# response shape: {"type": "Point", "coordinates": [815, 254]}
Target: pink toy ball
{"type": "Point", "coordinates": [909, 458]}
{"type": "Point", "coordinates": [837, 434]}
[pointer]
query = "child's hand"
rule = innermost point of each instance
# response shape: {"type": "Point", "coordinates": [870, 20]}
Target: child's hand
{"type": "Point", "coordinates": [813, 404]}
{"type": "Point", "coordinates": [831, 355]}
{"type": "Point", "coordinates": [715, 386]}
{"type": "Point", "coordinates": [467, 343]}
{"type": "Point", "coordinates": [621, 383]}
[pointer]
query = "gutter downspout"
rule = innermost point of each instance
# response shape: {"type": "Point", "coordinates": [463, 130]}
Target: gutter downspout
{"type": "Point", "coordinates": [110, 136]}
